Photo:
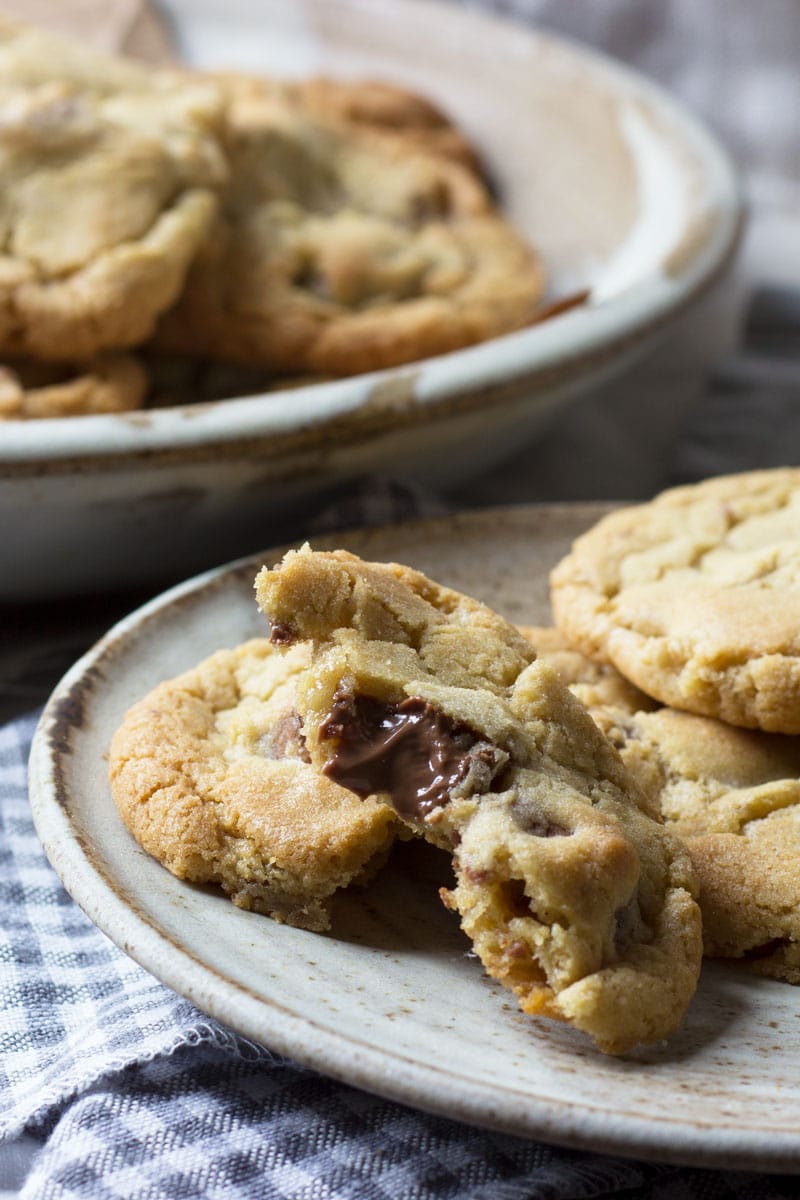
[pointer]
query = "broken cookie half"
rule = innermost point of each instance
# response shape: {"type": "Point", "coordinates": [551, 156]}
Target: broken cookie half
{"type": "Point", "coordinates": [211, 776]}
{"type": "Point", "coordinates": [573, 895]}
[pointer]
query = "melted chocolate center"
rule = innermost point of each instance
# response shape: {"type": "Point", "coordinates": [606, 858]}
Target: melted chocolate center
{"type": "Point", "coordinates": [410, 750]}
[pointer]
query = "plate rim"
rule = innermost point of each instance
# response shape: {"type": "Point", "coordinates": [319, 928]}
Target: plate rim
{"type": "Point", "coordinates": [372, 1068]}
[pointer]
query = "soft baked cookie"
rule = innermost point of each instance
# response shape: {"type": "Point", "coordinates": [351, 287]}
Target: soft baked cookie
{"type": "Point", "coordinates": [110, 383]}
{"type": "Point", "coordinates": [341, 250]}
{"type": "Point", "coordinates": [733, 795]}
{"type": "Point", "coordinates": [695, 597]}
{"type": "Point", "coordinates": [109, 178]}
{"type": "Point", "coordinates": [592, 682]}
{"type": "Point", "coordinates": [573, 896]}
{"type": "Point", "coordinates": [211, 775]}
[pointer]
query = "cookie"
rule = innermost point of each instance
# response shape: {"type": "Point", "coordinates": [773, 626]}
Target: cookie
{"type": "Point", "coordinates": [211, 776]}
{"type": "Point", "coordinates": [593, 683]}
{"type": "Point", "coordinates": [573, 896]}
{"type": "Point", "coordinates": [695, 597]}
{"type": "Point", "coordinates": [733, 795]}
{"type": "Point", "coordinates": [110, 173]}
{"type": "Point", "coordinates": [341, 250]}
{"type": "Point", "coordinates": [111, 383]}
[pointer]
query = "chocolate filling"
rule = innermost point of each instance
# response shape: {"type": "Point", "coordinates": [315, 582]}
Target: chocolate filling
{"type": "Point", "coordinates": [281, 633]}
{"type": "Point", "coordinates": [408, 750]}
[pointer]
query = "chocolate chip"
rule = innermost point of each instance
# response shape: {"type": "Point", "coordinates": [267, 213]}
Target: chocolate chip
{"type": "Point", "coordinates": [281, 633]}
{"type": "Point", "coordinates": [286, 739]}
{"type": "Point", "coordinates": [517, 949]}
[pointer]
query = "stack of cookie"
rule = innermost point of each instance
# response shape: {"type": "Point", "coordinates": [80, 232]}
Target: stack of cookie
{"type": "Point", "coordinates": [311, 229]}
{"type": "Point", "coordinates": [695, 600]}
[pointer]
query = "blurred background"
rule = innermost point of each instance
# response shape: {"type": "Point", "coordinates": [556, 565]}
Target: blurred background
{"type": "Point", "coordinates": [722, 392]}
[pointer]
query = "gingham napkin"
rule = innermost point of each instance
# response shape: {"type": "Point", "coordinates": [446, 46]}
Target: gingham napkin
{"type": "Point", "coordinates": [124, 1090]}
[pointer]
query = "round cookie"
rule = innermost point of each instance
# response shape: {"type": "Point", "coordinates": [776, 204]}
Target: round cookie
{"type": "Point", "coordinates": [733, 795]}
{"type": "Point", "coordinates": [341, 249]}
{"type": "Point", "coordinates": [110, 383]}
{"type": "Point", "coordinates": [110, 172]}
{"type": "Point", "coordinates": [695, 597]}
{"type": "Point", "coordinates": [573, 896]}
{"type": "Point", "coordinates": [211, 776]}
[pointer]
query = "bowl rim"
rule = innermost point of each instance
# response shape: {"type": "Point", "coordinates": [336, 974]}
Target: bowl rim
{"type": "Point", "coordinates": [562, 346]}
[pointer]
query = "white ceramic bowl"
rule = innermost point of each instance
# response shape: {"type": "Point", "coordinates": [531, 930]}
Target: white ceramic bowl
{"type": "Point", "coordinates": [620, 189]}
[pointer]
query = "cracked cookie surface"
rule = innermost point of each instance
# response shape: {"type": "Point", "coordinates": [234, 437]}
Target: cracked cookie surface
{"type": "Point", "coordinates": [573, 896]}
{"type": "Point", "coordinates": [110, 173]}
{"type": "Point", "coordinates": [210, 775]}
{"type": "Point", "coordinates": [695, 597]}
{"type": "Point", "coordinates": [342, 249]}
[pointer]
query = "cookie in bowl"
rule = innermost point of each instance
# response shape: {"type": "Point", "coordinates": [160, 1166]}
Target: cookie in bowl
{"type": "Point", "coordinates": [340, 249]}
{"type": "Point", "coordinates": [593, 683]}
{"type": "Point", "coordinates": [110, 174]}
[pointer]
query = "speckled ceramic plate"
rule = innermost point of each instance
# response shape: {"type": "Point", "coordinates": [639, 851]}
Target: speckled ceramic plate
{"type": "Point", "coordinates": [390, 1000]}
{"type": "Point", "coordinates": [621, 190]}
